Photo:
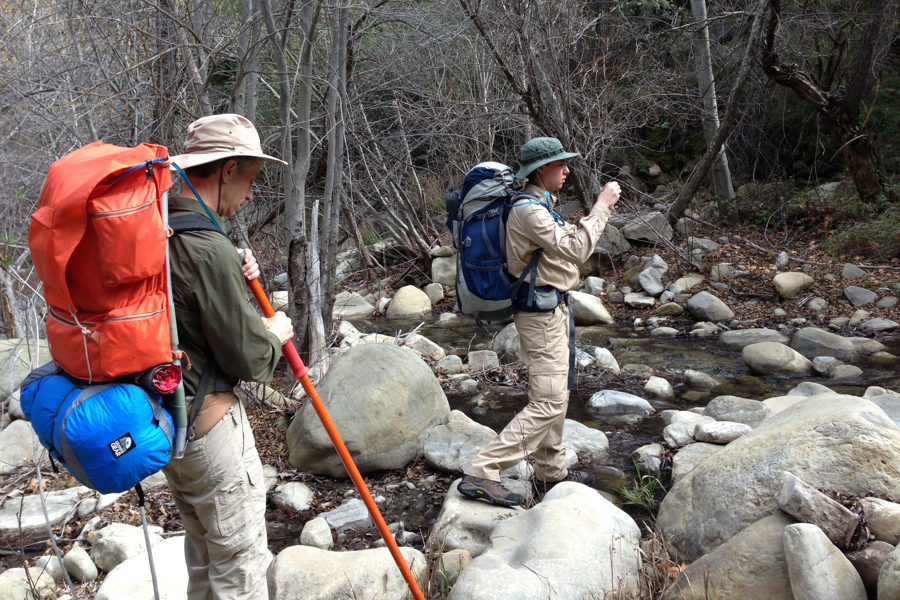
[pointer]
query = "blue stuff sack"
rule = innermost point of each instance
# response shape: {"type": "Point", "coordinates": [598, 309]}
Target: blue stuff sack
{"type": "Point", "coordinates": [109, 436]}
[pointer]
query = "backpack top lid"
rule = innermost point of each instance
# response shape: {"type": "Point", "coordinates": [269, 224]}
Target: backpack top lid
{"type": "Point", "coordinates": [482, 185]}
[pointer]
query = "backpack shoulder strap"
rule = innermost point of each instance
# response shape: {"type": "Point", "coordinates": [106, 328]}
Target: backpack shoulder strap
{"type": "Point", "coordinates": [193, 222]}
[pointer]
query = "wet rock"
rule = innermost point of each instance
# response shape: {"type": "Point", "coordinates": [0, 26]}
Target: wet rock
{"type": "Point", "coordinates": [663, 332]}
{"type": "Point", "coordinates": [443, 271]}
{"type": "Point", "coordinates": [852, 272]}
{"type": "Point", "coordinates": [295, 494]}
{"type": "Point", "coordinates": [739, 338]}
{"type": "Point", "coordinates": [868, 562]}
{"type": "Point", "coordinates": [131, 579]}
{"type": "Point", "coordinates": [824, 365]}
{"type": "Point", "coordinates": [879, 326]}
{"type": "Point", "coordinates": [817, 569]}
{"type": "Point", "coordinates": [385, 385]}
{"type": "Point", "coordinates": [720, 432]}
{"type": "Point", "coordinates": [820, 441]}
{"type": "Point", "coordinates": [80, 565]}
{"type": "Point", "coordinates": [859, 296]}
{"type": "Point", "coordinates": [769, 358]}
{"type": "Point", "coordinates": [884, 358]}
{"type": "Point", "coordinates": [865, 347]}
{"type": "Point", "coordinates": [649, 459]}
{"type": "Point", "coordinates": [844, 373]}
{"type": "Point", "coordinates": [789, 285]}
{"type": "Point", "coordinates": [808, 505]}
{"type": "Point", "coordinates": [572, 521]}
{"type": "Point", "coordinates": [611, 402]}
{"type": "Point", "coordinates": [812, 342]}
{"type": "Point", "coordinates": [883, 518]}
{"type": "Point", "coordinates": [450, 365]}
{"type": "Point", "coordinates": [349, 305]}
{"type": "Point", "coordinates": [409, 301]}
{"type": "Point", "coordinates": [706, 307]}
{"type": "Point", "coordinates": [636, 300]}
{"type": "Point", "coordinates": [585, 441]}
{"type": "Point", "coordinates": [317, 534]}
{"type": "Point", "coordinates": [467, 524]}
{"type": "Point", "coordinates": [606, 360]}
{"type": "Point", "coordinates": [588, 309]}
{"type": "Point", "coordinates": [478, 360]}
{"type": "Point", "coordinates": [449, 320]}
{"type": "Point", "coordinates": [648, 228]}
{"type": "Point", "coordinates": [738, 410]}
{"type": "Point", "coordinates": [306, 573]}
{"type": "Point", "coordinates": [659, 387]}
{"type": "Point", "coordinates": [699, 380]}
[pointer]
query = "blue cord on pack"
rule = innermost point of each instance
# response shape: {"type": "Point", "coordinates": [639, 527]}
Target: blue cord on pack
{"type": "Point", "coordinates": [202, 203]}
{"type": "Point", "coordinates": [559, 220]}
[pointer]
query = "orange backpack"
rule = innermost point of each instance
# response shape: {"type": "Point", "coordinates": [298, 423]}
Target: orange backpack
{"type": "Point", "coordinates": [98, 245]}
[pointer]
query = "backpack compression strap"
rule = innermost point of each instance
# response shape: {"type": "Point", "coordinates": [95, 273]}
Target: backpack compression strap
{"type": "Point", "coordinates": [193, 222]}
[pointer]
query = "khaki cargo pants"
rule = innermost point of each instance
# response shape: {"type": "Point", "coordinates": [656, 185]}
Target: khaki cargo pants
{"type": "Point", "coordinates": [219, 491]}
{"type": "Point", "coordinates": [538, 428]}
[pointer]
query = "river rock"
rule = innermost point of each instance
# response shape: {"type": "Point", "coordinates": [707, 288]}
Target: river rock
{"type": "Point", "coordinates": [720, 272]}
{"type": "Point", "coordinates": [79, 565]}
{"type": "Point", "coordinates": [451, 365]}
{"type": "Point", "coordinates": [353, 514]}
{"type": "Point", "coordinates": [663, 332]}
{"type": "Point", "coordinates": [606, 360]}
{"type": "Point", "coordinates": [706, 307]}
{"type": "Point", "coordinates": [681, 434]}
{"type": "Point", "coordinates": [17, 447]}
{"type": "Point", "coordinates": [702, 243]}
{"type": "Point", "coordinates": [14, 584]}
{"type": "Point", "coordinates": [699, 380]}
{"type": "Point", "coordinates": [670, 309]}
{"type": "Point", "coordinates": [817, 569]}
{"type": "Point", "coordinates": [452, 446]}
{"type": "Point", "coordinates": [612, 244]}
{"type": "Point", "coordinates": [738, 410]}
{"type": "Point", "coordinates": [852, 272]}
{"type": "Point", "coordinates": [14, 408]}
{"type": "Point", "coordinates": [443, 271]}
{"type": "Point", "coordinates": [868, 562]}
{"type": "Point", "coordinates": [865, 347]}
{"type": "Point", "coordinates": [639, 300]}
{"type": "Point", "coordinates": [451, 564]}
{"type": "Point", "coordinates": [824, 365]}
{"type": "Point", "coordinates": [789, 285]}
{"type": "Point", "coordinates": [478, 360]}
{"type": "Point", "coordinates": [435, 292]}
{"type": "Point", "coordinates": [827, 441]}
{"type": "Point", "coordinates": [648, 459]}
{"type": "Point", "coordinates": [506, 344]}
{"type": "Point", "coordinates": [883, 518]}
{"type": "Point", "coordinates": [651, 282]}
{"type": "Point", "coordinates": [467, 524]}
{"type": "Point", "coordinates": [749, 566]}
{"type": "Point", "coordinates": [50, 564]}
{"type": "Point", "coordinates": [817, 304]}
{"type": "Point", "coordinates": [879, 326]}
{"type": "Point", "coordinates": [316, 533]}
{"type": "Point", "coordinates": [812, 342]}
{"type": "Point", "coordinates": [294, 494]}
{"type": "Point", "coordinates": [281, 299]}
{"type": "Point", "coordinates": [424, 347]}
{"type": "Point", "coordinates": [550, 547]}
{"type": "Point", "coordinates": [350, 305]}
{"type": "Point", "coordinates": [307, 573]}
{"type": "Point", "coordinates": [660, 388]}
{"type": "Point", "coordinates": [889, 577]}
{"type": "Point", "coordinates": [808, 505]}
{"type": "Point", "coordinates": [368, 391]}
{"type": "Point", "coordinates": [409, 301]}
{"type": "Point", "coordinates": [588, 309]}
{"type": "Point", "coordinates": [844, 373]}
{"type": "Point", "coordinates": [808, 389]}
{"type": "Point", "coordinates": [131, 579]}
{"type": "Point", "coordinates": [739, 338]}
{"type": "Point", "coordinates": [720, 432]}
{"type": "Point", "coordinates": [33, 526]}
{"type": "Point", "coordinates": [689, 281]}
{"type": "Point", "coordinates": [770, 357]}
{"type": "Point", "coordinates": [858, 317]}
{"type": "Point", "coordinates": [671, 417]}
{"type": "Point", "coordinates": [648, 228]}
{"type": "Point", "coordinates": [17, 359]}
{"type": "Point", "coordinates": [442, 251]}
{"type": "Point", "coordinates": [859, 296]}
{"type": "Point", "coordinates": [611, 402]}
{"type": "Point", "coordinates": [690, 456]}
{"type": "Point", "coordinates": [116, 543]}
{"type": "Point", "coordinates": [585, 441]}
{"type": "Point", "coordinates": [594, 286]}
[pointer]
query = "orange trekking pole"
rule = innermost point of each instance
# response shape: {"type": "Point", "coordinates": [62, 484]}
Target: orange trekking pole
{"type": "Point", "coordinates": [301, 372]}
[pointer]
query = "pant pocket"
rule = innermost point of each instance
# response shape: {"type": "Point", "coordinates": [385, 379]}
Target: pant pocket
{"type": "Point", "coordinates": [232, 502]}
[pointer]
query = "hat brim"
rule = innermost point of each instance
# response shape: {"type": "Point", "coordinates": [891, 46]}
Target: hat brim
{"type": "Point", "coordinates": [525, 170]}
{"type": "Point", "coordinates": [186, 161]}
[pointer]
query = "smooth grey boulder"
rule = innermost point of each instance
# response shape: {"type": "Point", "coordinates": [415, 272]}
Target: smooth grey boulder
{"type": "Point", "coordinates": [699, 380]}
{"type": "Point", "coordinates": [594, 286]}
{"type": "Point", "coordinates": [478, 360]}
{"type": "Point", "coordinates": [588, 309]}
{"type": "Point", "coordinates": [307, 573]}
{"type": "Point", "coordinates": [879, 325]}
{"type": "Point", "coordinates": [409, 301]}
{"type": "Point", "coordinates": [720, 432]}
{"type": "Point", "coordinates": [17, 447]}
{"type": "Point", "coordinates": [585, 441]}
{"type": "Point", "coordinates": [670, 309]}
{"type": "Point", "coordinates": [317, 534]}
{"type": "Point", "coordinates": [889, 577]}
{"type": "Point", "coordinates": [681, 434]}
{"type": "Point", "coordinates": [611, 402]}
{"type": "Point", "coordinates": [15, 585]}
{"type": "Point", "coordinates": [663, 332]}
{"type": "Point", "coordinates": [866, 347]}
{"type": "Point", "coordinates": [554, 546]}
{"type": "Point", "coordinates": [651, 282]}
{"type": "Point", "coordinates": [771, 357]}
{"type": "Point", "coordinates": [883, 519]}
{"type": "Point", "coordinates": [789, 285]}
{"type": "Point", "coordinates": [612, 244]}
{"type": "Point", "coordinates": [435, 292]}
{"type": "Point", "coordinates": [352, 514]}
{"type": "Point", "coordinates": [294, 494]}
{"type": "Point", "coordinates": [506, 344]}
{"type": "Point", "coordinates": [812, 342]}
{"type": "Point", "coordinates": [690, 456]}
{"type": "Point", "coordinates": [831, 441]}
{"type": "Point", "coordinates": [382, 398]}
{"type": "Point", "coordinates": [17, 359]}
{"type": "Point", "coordinates": [639, 300]}
{"type": "Point", "coordinates": [655, 261]}
{"type": "Point", "coordinates": [739, 338]}
{"type": "Point", "coordinates": [844, 373]}
{"type": "Point", "coordinates": [649, 459]}
{"type": "Point", "coordinates": [702, 243]}
{"type": "Point", "coordinates": [659, 388]}
{"type": "Point", "coordinates": [451, 446]}
{"type": "Point", "coordinates": [721, 272]}
{"type": "Point", "coordinates": [689, 281]}
{"type": "Point", "coordinates": [79, 565]}
{"type": "Point", "coordinates": [706, 307]}
{"type": "Point", "coordinates": [452, 563]}
{"type": "Point", "coordinates": [807, 389]}
{"type": "Point", "coordinates": [424, 347]}
{"type": "Point", "coordinates": [606, 360]}
{"type": "Point", "coordinates": [116, 543]}
{"type": "Point", "coordinates": [859, 296]}
{"type": "Point", "coordinates": [738, 410]}
{"type": "Point", "coordinates": [467, 524]}
{"type": "Point", "coordinates": [50, 564]}
{"type": "Point", "coordinates": [852, 272]}
{"type": "Point", "coordinates": [868, 562]}
{"type": "Point", "coordinates": [33, 525]}
{"type": "Point", "coordinates": [442, 251]}
{"type": "Point", "coordinates": [823, 365]}
{"type": "Point", "coordinates": [650, 227]}
{"type": "Point", "coordinates": [132, 580]}
{"type": "Point", "coordinates": [349, 305]}
{"type": "Point", "coordinates": [749, 566]}
{"type": "Point", "coordinates": [450, 365]}
{"type": "Point", "coordinates": [817, 569]}
{"type": "Point", "coordinates": [443, 271]}
{"type": "Point", "coordinates": [808, 505]}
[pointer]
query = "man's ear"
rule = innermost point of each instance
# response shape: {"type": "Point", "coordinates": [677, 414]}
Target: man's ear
{"type": "Point", "coordinates": [229, 170]}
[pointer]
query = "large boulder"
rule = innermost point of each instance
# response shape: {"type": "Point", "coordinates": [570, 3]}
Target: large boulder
{"type": "Point", "coordinates": [817, 568]}
{"type": "Point", "coordinates": [585, 441]}
{"type": "Point", "coordinates": [467, 524]}
{"type": "Point", "coordinates": [831, 441]}
{"type": "Point", "coordinates": [22, 518]}
{"type": "Point", "coordinates": [506, 344]}
{"type": "Point", "coordinates": [812, 342]}
{"type": "Point", "coordinates": [687, 282]}
{"type": "Point", "coordinates": [889, 577]}
{"type": "Point", "coordinates": [749, 566]}
{"type": "Point", "coordinates": [409, 301]}
{"type": "Point", "coordinates": [382, 398]}
{"type": "Point", "coordinates": [788, 285]}
{"type": "Point", "coordinates": [555, 546]}
{"type": "Point", "coordinates": [349, 304]}
{"type": "Point", "coordinates": [17, 359]}
{"type": "Point", "coordinates": [132, 579]}
{"type": "Point", "coordinates": [116, 543]}
{"type": "Point", "coordinates": [16, 584]}
{"type": "Point", "coordinates": [771, 357]}
{"type": "Point", "coordinates": [706, 307]}
{"type": "Point", "coordinates": [648, 228]}
{"type": "Point", "coordinates": [452, 446]}
{"type": "Point", "coordinates": [588, 309]}
{"type": "Point", "coordinates": [739, 410]}
{"type": "Point", "coordinates": [307, 573]}
{"type": "Point", "coordinates": [739, 338]}
{"type": "Point", "coordinates": [443, 271]}
{"type": "Point", "coordinates": [17, 447]}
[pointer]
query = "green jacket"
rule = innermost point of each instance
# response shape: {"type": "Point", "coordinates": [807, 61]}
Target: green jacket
{"type": "Point", "coordinates": [215, 317]}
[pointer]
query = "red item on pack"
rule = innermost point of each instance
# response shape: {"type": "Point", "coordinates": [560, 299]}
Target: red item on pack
{"type": "Point", "coordinates": [98, 245]}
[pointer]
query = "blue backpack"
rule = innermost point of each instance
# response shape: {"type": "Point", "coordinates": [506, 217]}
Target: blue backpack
{"type": "Point", "coordinates": [476, 216]}
{"type": "Point", "coordinates": [109, 436]}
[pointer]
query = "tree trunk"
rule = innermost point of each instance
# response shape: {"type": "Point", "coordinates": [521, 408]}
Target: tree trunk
{"type": "Point", "coordinates": [161, 132]}
{"type": "Point", "coordinates": [723, 189]}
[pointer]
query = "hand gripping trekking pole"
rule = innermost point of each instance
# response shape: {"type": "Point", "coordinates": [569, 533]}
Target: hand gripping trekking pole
{"type": "Point", "coordinates": [301, 372]}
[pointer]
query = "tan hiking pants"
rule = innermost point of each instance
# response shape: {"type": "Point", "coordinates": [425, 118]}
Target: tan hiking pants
{"type": "Point", "coordinates": [219, 490]}
{"type": "Point", "coordinates": [538, 428]}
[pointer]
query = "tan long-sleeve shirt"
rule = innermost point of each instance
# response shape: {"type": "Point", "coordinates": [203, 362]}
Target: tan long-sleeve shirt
{"type": "Point", "coordinates": [531, 226]}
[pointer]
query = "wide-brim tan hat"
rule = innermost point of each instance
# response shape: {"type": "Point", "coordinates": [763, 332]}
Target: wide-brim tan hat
{"type": "Point", "coordinates": [221, 136]}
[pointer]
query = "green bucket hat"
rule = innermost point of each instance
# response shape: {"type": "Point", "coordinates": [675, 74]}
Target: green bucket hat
{"type": "Point", "coordinates": [540, 151]}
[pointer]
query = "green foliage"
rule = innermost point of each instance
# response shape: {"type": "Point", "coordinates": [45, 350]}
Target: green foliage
{"type": "Point", "coordinates": [884, 119]}
{"type": "Point", "coordinates": [643, 492]}
{"type": "Point", "coordinates": [876, 237]}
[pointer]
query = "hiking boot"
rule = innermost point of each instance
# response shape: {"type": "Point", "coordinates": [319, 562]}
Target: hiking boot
{"type": "Point", "coordinates": [492, 491]}
{"type": "Point", "coordinates": [576, 476]}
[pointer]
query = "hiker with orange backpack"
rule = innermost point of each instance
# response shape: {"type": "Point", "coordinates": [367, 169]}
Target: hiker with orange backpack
{"type": "Point", "coordinates": [218, 486]}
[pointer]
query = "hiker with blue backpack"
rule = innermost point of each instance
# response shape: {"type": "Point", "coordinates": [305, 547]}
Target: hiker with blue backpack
{"type": "Point", "coordinates": [544, 253]}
